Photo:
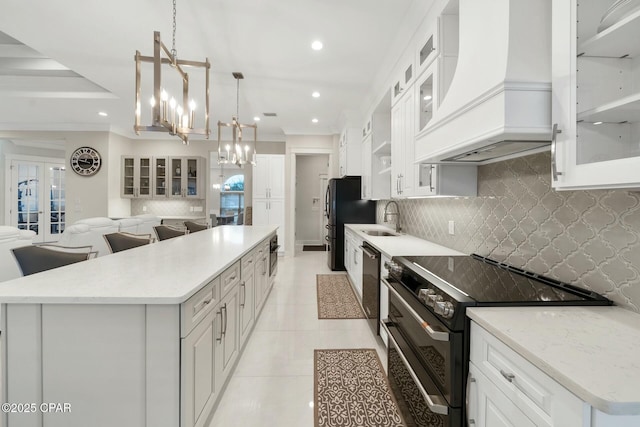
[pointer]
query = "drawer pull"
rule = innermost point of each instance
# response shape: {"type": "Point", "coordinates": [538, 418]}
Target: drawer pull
{"type": "Point", "coordinates": [508, 376]}
{"type": "Point", "coordinates": [200, 306]}
{"type": "Point", "coordinates": [231, 278]}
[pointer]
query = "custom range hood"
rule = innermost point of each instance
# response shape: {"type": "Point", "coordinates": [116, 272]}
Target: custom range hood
{"type": "Point", "coordinates": [498, 103]}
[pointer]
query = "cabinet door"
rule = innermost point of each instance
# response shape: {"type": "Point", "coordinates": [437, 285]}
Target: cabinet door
{"type": "Point", "coordinates": [230, 342]}
{"type": "Point", "coordinates": [246, 302]}
{"type": "Point", "coordinates": [408, 144]}
{"type": "Point", "coordinates": [197, 371]}
{"type": "Point", "coordinates": [160, 166]}
{"type": "Point", "coordinates": [144, 177]}
{"type": "Point", "coordinates": [176, 173]}
{"type": "Point", "coordinates": [397, 162]}
{"type": "Point", "coordinates": [276, 177]}
{"type": "Point", "coordinates": [366, 168]}
{"type": "Point", "coordinates": [489, 407]}
{"type": "Point", "coordinates": [261, 177]}
{"type": "Point", "coordinates": [192, 168]}
{"type": "Point", "coordinates": [261, 279]}
{"type": "Point", "coordinates": [128, 177]}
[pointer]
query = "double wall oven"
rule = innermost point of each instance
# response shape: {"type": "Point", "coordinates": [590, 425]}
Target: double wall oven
{"type": "Point", "coordinates": [428, 352]}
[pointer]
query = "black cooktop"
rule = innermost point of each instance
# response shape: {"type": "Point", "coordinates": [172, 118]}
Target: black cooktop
{"type": "Point", "coordinates": [487, 281]}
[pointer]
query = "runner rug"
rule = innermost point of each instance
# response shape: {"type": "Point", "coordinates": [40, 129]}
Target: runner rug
{"type": "Point", "coordinates": [351, 389]}
{"type": "Point", "coordinates": [336, 299]}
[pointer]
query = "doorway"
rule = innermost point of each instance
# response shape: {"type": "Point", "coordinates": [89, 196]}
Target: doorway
{"type": "Point", "coordinates": [37, 198]}
{"type": "Point", "coordinates": [312, 171]}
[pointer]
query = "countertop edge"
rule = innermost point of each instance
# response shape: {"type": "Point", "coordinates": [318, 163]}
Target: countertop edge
{"type": "Point", "coordinates": [603, 405]}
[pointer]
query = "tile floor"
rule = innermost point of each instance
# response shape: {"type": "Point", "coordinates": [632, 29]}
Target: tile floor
{"type": "Point", "coordinates": [273, 381]}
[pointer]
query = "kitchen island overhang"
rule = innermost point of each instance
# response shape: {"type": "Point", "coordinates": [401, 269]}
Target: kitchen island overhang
{"type": "Point", "coordinates": [106, 336]}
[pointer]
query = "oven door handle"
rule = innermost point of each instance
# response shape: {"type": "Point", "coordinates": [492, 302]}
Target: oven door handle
{"type": "Point", "coordinates": [368, 252]}
{"type": "Point", "coordinates": [436, 408]}
{"type": "Point", "coordinates": [436, 335]}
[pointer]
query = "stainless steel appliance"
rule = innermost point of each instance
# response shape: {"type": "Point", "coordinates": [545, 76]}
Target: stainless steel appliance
{"type": "Point", "coordinates": [371, 285]}
{"type": "Point", "coordinates": [273, 255]}
{"type": "Point", "coordinates": [344, 206]}
{"type": "Point", "coordinates": [429, 332]}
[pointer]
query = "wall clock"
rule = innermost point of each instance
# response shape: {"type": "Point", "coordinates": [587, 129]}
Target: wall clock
{"type": "Point", "coordinates": [86, 161]}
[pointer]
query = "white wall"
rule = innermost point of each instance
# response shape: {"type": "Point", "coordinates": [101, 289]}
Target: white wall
{"type": "Point", "coordinates": [310, 197]}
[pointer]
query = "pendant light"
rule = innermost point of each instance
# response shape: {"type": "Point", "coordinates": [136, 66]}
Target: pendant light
{"type": "Point", "coordinates": [235, 152]}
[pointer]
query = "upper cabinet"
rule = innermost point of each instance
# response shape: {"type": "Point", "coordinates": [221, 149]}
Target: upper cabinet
{"type": "Point", "coordinates": [404, 79]}
{"type": "Point", "coordinates": [596, 111]}
{"type": "Point", "coordinates": [161, 177]}
{"type": "Point", "coordinates": [402, 145]}
{"type": "Point", "coordinates": [492, 82]}
{"type": "Point", "coordinates": [268, 176]}
{"type": "Point", "coordinates": [349, 153]}
{"type": "Point", "coordinates": [136, 177]}
{"type": "Point", "coordinates": [376, 153]}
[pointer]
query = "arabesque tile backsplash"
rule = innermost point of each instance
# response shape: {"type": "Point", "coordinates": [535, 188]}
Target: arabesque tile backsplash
{"type": "Point", "coordinates": [587, 238]}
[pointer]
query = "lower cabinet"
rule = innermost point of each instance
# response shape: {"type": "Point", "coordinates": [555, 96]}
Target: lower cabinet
{"type": "Point", "coordinates": [215, 323]}
{"type": "Point", "coordinates": [199, 381]}
{"type": "Point", "coordinates": [353, 260]}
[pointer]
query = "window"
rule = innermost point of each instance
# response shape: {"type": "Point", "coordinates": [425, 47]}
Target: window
{"type": "Point", "coordinates": [232, 200]}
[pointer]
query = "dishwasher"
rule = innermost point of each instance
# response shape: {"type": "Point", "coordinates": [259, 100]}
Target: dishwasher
{"type": "Point", "coordinates": [371, 285]}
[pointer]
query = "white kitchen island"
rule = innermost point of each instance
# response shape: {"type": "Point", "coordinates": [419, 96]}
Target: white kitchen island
{"type": "Point", "coordinates": [144, 337]}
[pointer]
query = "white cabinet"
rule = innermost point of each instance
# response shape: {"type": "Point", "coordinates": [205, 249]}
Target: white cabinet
{"type": "Point", "coordinates": [353, 260]}
{"type": "Point", "coordinates": [349, 150]}
{"type": "Point", "coordinates": [228, 342]}
{"type": "Point", "coordinates": [404, 79]}
{"type": "Point", "coordinates": [268, 193]}
{"type": "Point", "coordinates": [506, 389]}
{"type": "Point", "coordinates": [446, 180]}
{"type": "Point", "coordinates": [268, 176]}
{"type": "Point", "coordinates": [186, 177]}
{"type": "Point", "coordinates": [367, 169]}
{"type": "Point", "coordinates": [402, 145]}
{"type": "Point", "coordinates": [136, 177]}
{"type": "Point", "coordinates": [247, 296]}
{"type": "Point", "coordinates": [160, 176]}
{"type": "Point", "coordinates": [596, 111]}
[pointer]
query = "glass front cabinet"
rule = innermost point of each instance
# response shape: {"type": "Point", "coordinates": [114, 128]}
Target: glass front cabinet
{"type": "Point", "coordinates": [162, 177]}
{"type": "Point", "coordinates": [136, 177]}
{"type": "Point", "coordinates": [596, 94]}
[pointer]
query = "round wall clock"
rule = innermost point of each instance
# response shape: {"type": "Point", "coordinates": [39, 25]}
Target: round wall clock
{"type": "Point", "coordinates": [86, 161]}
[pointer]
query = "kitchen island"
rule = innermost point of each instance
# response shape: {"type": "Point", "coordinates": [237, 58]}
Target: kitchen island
{"type": "Point", "coordinates": [144, 337]}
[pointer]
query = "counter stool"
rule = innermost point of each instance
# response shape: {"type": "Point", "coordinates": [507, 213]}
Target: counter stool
{"type": "Point", "coordinates": [34, 259]}
{"type": "Point", "coordinates": [122, 241]}
{"type": "Point", "coordinates": [195, 226]}
{"type": "Point", "coordinates": [165, 232]}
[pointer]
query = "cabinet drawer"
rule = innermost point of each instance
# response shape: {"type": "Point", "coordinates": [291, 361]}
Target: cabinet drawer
{"type": "Point", "coordinates": [198, 306]}
{"type": "Point", "coordinates": [247, 263]}
{"type": "Point", "coordinates": [539, 396]}
{"type": "Point", "coordinates": [229, 279]}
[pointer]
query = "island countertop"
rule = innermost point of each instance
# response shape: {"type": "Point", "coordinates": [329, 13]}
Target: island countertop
{"type": "Point", "coordinates": [166, 272]}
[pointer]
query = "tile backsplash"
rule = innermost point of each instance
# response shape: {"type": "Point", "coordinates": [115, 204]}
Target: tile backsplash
{"type": "Point", "coordinates": [168, 207]}
{"type": "Point", "coordinates": [587, 238]}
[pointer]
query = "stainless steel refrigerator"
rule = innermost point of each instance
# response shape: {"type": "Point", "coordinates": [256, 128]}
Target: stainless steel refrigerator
{"type": "Point", "coordinates": [344, 206]}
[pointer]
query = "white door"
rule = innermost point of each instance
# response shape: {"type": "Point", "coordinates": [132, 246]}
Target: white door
{"type": "Point", "coordinates": [38, 198]}
{"type": "Point", "coordinates": [324, 181]}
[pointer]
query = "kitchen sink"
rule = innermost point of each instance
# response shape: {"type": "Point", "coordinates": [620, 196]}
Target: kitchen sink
{"type": "Point", "coordinates": [378, 233]}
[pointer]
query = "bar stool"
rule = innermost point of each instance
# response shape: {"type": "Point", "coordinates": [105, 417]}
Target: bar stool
{"type": "Point", "coordinates": [165, 232]}
{"type": "Point", "coordinates": [122, 241]}
{"type": "Point", "coordinates": [34, 259]}
{"type": "Point", "coordinates": [195, 226]}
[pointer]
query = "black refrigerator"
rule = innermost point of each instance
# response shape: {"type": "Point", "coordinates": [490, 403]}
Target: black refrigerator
{"type": "Point", "coordinates": [344, 206]}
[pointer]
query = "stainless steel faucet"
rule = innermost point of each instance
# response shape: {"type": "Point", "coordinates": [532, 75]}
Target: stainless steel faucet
{"type": "Point", "coordinates": [396, 213]}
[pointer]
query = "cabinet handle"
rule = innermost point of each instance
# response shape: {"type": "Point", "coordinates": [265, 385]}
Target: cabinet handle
{"type": "Point", "coordinates": [470, 379]}
{"type": "Point", "coordinates": [554, 137]}
{"type": "Point", "coordinates": [507, 376]}
{"type": "Point", "coordinates": [221, 333]}
{"type": "Point", "coordinates": [243, 294]}
{"type": "Point", "coordinates": [431, 168]}
{"type": "Point", "coordinates": [224, 307]}
{"type": "Point", "coordinates": [355, 257]}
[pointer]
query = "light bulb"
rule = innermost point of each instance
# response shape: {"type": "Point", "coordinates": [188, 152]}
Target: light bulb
{"type": "Point", "coordinates": [172, 103]}
{"type": "Point", "coordinates": [152, 101]}
{"type": "Point", "coordinates": [192, 105]}
{"type": "Point", "coordinates": [164, 95]}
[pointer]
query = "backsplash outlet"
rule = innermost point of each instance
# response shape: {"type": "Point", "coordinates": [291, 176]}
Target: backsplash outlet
{"type": "Point", "coordinates": [588, 238]}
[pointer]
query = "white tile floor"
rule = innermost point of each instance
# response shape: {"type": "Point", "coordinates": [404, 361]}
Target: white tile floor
{"type": "Point", "coordinates": [273, 382]}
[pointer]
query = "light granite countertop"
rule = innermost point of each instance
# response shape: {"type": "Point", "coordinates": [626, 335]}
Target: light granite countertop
{"type": "Point", "coordinates": [401, 245]}
{"type": "Point", "coordinates": [594, 352]}
{"type": "Point", "coordinates": [166, 272]}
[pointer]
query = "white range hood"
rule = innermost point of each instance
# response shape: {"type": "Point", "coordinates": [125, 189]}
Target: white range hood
{"type": "Point", "coordinates": [499, 100]}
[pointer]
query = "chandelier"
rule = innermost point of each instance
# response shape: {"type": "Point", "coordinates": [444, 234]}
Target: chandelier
{"type": "Point", "coordinates": [167, 113]}
{"type": "Point", "coordinates": [235, 153]}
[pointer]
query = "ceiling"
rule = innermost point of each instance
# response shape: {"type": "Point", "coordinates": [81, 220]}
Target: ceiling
{"type": "Point", "coordinates": [63, 62]}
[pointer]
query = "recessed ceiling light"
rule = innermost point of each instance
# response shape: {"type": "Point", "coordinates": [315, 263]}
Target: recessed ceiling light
{"type": "Point", "coordinates": [316, 45]}
{"type": "Point", "coordinates": [316, 94]}
{"type": "Point", "coordinates": [597, 123]}
{"type": "Point", "coordinates": [102, 113]}
{"type": "Point", "coordinates": [314, 120]}
{"type": "Point", "coordinates": [256, 118]}
{"type": "Point", "coordinates": [427, 97]}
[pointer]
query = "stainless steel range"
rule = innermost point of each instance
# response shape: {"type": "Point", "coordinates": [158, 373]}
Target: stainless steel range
{"type": "Point", "coordinates": [429, 332]}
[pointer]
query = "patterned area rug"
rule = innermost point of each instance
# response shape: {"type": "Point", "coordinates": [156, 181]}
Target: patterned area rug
{"type": "Point", "coordinates": [336, 299]}
{"type": "Point", "coordinates": [351, 389]}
